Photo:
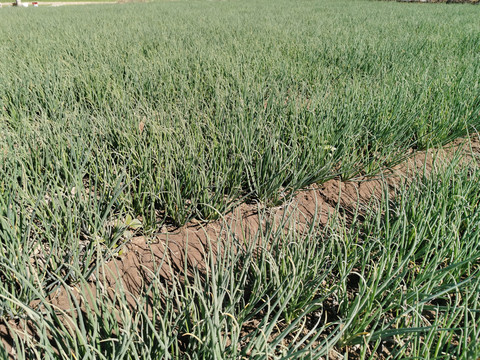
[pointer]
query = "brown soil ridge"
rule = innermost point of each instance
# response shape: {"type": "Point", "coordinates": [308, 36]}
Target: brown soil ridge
{"type": "Point", "coordinates": [316, 204]}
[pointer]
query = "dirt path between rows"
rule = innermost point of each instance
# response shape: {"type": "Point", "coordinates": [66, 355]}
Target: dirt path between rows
{"type": "Point", "coordinates": [171, 249]}
{"type": "Point", "coordinates": [317, 204]}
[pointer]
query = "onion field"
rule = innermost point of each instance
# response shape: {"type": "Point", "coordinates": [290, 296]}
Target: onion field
{"type": "Point", "coordinates": [121, 121]}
